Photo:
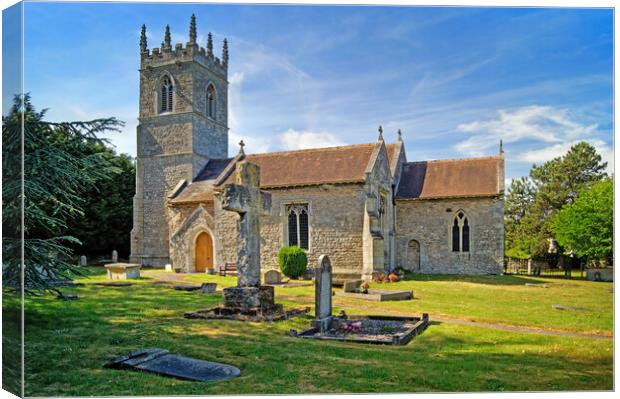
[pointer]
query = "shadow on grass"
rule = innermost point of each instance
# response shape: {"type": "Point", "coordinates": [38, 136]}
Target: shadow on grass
{"type": "Point", "coordinates": [490, 280]}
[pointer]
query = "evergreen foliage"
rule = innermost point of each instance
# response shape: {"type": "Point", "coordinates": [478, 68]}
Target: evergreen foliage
{"type": "Point", "coordinates": [293, 261]}
{"type": "Point", "coordinates": [55, 175]}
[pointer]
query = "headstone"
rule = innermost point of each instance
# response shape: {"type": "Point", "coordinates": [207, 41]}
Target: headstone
{"type": "Point", "coordinates": [83, 261]}
{"type": "Point", "coordinates": [323, 294]}
{"type": "Point", "coordinates": [272, 277]}
{"type": "Point", "coordinates": [115, 256]}
{"type": "Point", "coordinates": [123, 271]}
{"type": "Point", "coordinates": [249, 201]}
{"type": "Point", "coordinates": [208, 288]}
{"type": "Point", "coordinates": [352, 285]}
{"type": "Point", "coordinates": [168, 268]}
{"type": "Point", "coordinates": [162, 362]}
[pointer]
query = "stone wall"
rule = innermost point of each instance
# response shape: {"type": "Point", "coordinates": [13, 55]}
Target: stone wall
{"type": "Point", "coordinates": [430, 221]}
{"type": "Point", "coordinates": [186, 223]}
{"type": "Point", "coordinates": [335, 221]}
{"type": "Point", "coordinates": [175, 145]}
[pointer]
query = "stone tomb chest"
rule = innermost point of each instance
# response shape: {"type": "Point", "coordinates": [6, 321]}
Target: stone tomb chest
{"type": "Point", "coordinates": [123, 271]}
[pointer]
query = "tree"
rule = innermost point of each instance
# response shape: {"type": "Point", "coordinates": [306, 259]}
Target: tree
{"type": "Point", "coordinates": [55, 174]}
{"type": "Point", "coordinates": [532, 202]}
{"type": "Point", "coordinates": [586, 225]}
{"type": "Point", "coordinates": [107, 208]}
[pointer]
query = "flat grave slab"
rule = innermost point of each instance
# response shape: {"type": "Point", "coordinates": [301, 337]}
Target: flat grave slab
{"type": "Point", "coordinates": [114, 284]}
{"type": "Point", "coordinates": [162, 362]}
{"type": "Point", "coordinates": [186, 287]}
{"type": "Point", "coordinates": [376, 295]}
{"type": "Point", "coordinates": [379, 330]}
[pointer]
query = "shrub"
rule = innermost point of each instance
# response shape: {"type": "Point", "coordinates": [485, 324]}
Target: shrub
{"type": "Point", "coordinates": [293, 261]}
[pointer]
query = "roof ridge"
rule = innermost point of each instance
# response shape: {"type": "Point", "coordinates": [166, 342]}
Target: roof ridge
{"type": "Point", "coordinates": [339, 147]}
{"type": "Point", "coordinates": [457, 159]}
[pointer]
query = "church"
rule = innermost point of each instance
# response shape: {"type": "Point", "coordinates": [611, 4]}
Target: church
{"type": "Point", "coordinates": [364, 205]}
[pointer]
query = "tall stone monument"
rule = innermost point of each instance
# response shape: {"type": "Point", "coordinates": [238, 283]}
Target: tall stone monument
{"type": "Point", "coordinates": [247, 199]}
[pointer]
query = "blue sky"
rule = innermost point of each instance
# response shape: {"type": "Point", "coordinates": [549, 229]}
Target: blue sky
{"type": "Point", "coordinates": [455, 80]}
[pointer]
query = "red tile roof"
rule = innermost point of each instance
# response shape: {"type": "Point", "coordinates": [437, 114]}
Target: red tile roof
{"type": "Point", "coordinates": [345, 164]}
{"type": "Point", "coordinates": [469, 177]}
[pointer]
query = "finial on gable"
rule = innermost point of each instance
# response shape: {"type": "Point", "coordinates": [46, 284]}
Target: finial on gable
{"type": "Point", "coordinates": [192, 29]}
{"type": "Point", "coordinates": [241, 145]}
{"type": "Point", "coordinates": [167, 40]}
{"type": "Point", "coordinates": [501, 147]}
{"type": "Point", "coordinates": [210, 44]}
{"type": "Point", "coordinates": [225, 53]}
{"type": "Point", "coordinates": [143, 42]}
{"type": "Point", "coordinates": [400, 135]}
{"type": "Point", "coordinates": [380, 138]}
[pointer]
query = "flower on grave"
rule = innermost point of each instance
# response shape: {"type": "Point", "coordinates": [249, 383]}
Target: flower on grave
{"type": "Point", "coordinates": [352, 327]}
{"type": "Point", "coordinates": [381, 277]}
{"type": "Point", "coordinates": [393, 277]}
{"type": "Point", "coordinates": [365, 287]}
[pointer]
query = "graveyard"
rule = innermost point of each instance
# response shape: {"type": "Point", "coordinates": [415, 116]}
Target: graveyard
{"type": "Point", "coordinates": [487, 333]}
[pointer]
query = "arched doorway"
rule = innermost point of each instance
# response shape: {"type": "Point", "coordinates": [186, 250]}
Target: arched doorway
{"type": "Point", "coordinates": [413, 255]}
{"type": "Point", "coordinates": [204, 252]}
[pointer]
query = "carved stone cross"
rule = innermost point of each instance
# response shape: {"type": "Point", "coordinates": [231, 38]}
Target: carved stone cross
{"type": "Point", "coordinates": [250, 202]}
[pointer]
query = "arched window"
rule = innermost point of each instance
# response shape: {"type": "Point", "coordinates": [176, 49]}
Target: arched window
{"type": "Point", "coordinates": [166, 95]}
{"type": "Point", "coordinates": [460, 233]}
{"type": "Point", "coordinates": [211, 102]}
{"type": "Point", "coordinates": [298, 225]}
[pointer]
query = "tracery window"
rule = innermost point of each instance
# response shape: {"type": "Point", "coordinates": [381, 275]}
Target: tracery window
{"type": "Point", "coordinates": [211, 102]}
{"type": "Point", "coordinates": [460, 233]}
{"type": "Point", "coordinates": [166, 95]}
{"type": "Point", "coordinates": [298, 225]}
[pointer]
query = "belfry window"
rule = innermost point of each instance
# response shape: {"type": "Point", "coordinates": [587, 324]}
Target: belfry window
{"type": "Point", "coordinates": [211, 102]}
{"type": "Point", "coordinates": [166, 95]}
{"type": "Point", "coordinates": [460, 233]}
{"type": "Point", "coordinates": [297, 216]}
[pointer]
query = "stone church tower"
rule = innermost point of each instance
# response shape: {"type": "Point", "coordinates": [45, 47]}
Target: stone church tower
{"type": "Point", "coordinates": [183, 122]}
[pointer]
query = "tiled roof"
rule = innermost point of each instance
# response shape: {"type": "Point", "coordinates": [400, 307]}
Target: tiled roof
{"type": "Point", "coordinates": [198, 191]}
{"type": "Point", "coordinates": [470, 177]}
{"type": "Point", "coordinates": [345, 164]}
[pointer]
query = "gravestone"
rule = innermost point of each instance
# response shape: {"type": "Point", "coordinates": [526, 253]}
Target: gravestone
{"type": "Point", "coordinates": [83, 261]}
{"type": "Point", "coordinates": [272, 277]}
{"type": "Point", "coordinates": [168, 268]}
{"type": "Point", "coordinates": [352, 285]}
{"type": "Point", "coordinates": [208, 288]}
{"type": "Point", "coordinates": [114, 256]}
{"type": "Point", "coordinates": [323, 294]}
{"type": "Point", "coordinates": [250, 202]}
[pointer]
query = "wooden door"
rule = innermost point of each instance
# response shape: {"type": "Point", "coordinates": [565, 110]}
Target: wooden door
{"type": "Point", "coordinates": [413, 255]}
{"type": "Point", "coordinates": [204, 252]}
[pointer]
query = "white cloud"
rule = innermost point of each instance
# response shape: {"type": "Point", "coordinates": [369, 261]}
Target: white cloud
{"type": "Point", "coordinates": [556, 150]}
{"type": "Point", "coordinates": [537, 123]}
{"type": "Point", "coordinates": [538, 133]}
{"type": "Point", "coordinates": [294, 140]}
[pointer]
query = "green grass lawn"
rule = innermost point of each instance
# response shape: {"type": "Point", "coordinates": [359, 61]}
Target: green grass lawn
{"type": "Point", "coordinates": [67, 342]}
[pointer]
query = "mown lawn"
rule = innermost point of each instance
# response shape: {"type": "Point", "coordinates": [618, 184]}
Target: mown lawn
{"type": "Point", "coordinates": [67, 342]}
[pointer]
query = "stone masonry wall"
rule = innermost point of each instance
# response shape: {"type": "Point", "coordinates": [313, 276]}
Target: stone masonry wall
{"type": "Point", "coordinates": [335, 220]}
{"type": "Point", "coordinates": [430, 222]}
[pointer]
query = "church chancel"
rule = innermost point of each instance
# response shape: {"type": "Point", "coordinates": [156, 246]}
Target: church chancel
{"type": "Point", "coordinates": [365, 205]}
